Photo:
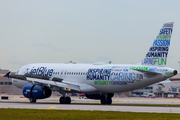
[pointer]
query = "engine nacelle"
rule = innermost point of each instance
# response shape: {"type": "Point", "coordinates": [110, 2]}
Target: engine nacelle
{"type": "Point", "coordinates": [36, 91]}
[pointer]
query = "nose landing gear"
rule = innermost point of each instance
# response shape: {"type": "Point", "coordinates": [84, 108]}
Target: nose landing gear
{"type": "Point", "coordinates": [32, 100]}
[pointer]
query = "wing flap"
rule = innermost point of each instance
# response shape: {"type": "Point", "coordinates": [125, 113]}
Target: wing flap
{"type": "Point", "coordinates": [148, 74]}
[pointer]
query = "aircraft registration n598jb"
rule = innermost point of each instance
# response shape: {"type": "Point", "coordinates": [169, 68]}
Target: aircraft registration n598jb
{"type": "Point", "coordinates": [99, 80]}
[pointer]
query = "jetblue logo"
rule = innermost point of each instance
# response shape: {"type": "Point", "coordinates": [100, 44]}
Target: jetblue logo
{"type": "Point", "coordinates": [42, 71]}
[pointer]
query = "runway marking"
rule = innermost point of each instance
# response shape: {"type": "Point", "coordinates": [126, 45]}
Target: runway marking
{"type": "Point", "coordinates": [50, 107]}
{"type": "Point", "coordinates": [24, 99]}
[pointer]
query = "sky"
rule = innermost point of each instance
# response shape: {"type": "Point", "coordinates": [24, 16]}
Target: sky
{"type": "Point", "coordinates": [84, 31]}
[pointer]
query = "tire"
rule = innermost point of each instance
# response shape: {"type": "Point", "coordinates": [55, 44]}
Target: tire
{"type": "Point", "coordinates": [68, 100]}
{"type": "Point", "coordinates": [103, 100]}
{"type": "Point", "coordinates": [109, 101]}
{"type": "Point", "coordinates": [62, 100]}
{"type": "Point", "coordinates": [32, 100]}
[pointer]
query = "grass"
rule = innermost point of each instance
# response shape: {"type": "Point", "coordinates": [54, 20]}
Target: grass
{"type": "Point", "coordinates": [34, 114]}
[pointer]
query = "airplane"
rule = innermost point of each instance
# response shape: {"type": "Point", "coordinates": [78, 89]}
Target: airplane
{"type": "Point", "coordinates": [99, 80]}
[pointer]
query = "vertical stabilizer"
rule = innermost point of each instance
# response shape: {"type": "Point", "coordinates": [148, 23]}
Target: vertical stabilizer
{"type": "Point", "coordinates": [157, 54]}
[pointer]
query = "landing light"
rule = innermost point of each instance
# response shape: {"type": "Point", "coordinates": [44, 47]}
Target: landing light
{"type": "Point", "coordinates": [68, 89]}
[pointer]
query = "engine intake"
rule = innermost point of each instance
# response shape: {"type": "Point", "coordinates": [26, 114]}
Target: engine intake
{"type": "Point", "coordinates": [36, 91]}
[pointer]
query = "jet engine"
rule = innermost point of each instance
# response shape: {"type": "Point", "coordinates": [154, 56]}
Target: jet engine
{"type": "Point", "coordinates": [36, 91]}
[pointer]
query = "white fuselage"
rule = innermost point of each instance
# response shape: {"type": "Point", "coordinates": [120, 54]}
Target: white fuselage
{"type": "Point", "coordinates": [102, 78]}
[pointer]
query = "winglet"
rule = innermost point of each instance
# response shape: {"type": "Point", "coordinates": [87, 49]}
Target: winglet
{"type": "Point", "coordinates": [7, 74]}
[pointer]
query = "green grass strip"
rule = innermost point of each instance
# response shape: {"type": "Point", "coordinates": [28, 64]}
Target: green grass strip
{"type": "Point", "coordinates": [39, 114]}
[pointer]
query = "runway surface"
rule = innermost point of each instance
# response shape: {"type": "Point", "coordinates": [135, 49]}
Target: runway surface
{"type": "Point", "coordinates": [153, 109]}
{"type": "Point", "coordinates": [53, 103]}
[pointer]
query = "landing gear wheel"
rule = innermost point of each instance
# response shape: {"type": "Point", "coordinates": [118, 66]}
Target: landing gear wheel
{"type": "Point", "coordinates": [103, 100]}
{"type": "Point", "coordinates": [32, 100]}
{"type": "Point", "coordinates": [106, 100]}
{"type": "Point", "coordinates": [65, 100]}
{"type": "Point", "coordinates": [68, 100]}
{"type": "Point", "coordinates": [62, 100]}
{"type": "Point", "coordinates": [109, 101]}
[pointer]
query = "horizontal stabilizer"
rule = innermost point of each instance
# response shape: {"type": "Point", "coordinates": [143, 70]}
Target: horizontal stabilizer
{"type": "Point", "coordinates": [148, 72]}
{"type": "Point", "coordinates": [174, 79]}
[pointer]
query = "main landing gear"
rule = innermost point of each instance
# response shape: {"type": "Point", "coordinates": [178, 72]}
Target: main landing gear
{"type": "Point", "coordinates": [106, 99]}
{"type": "Point", "coordinates": [32, 100]}
{"type": "Point", "coordinates": [62, 100]}
{"type": "Point", "coordinates": [65, 100]}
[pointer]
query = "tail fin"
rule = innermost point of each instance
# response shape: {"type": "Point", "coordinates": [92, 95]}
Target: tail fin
{"type": "Point", "coordinates": [157, 54]}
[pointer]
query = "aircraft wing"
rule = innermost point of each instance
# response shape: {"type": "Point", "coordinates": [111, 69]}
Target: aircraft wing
{"type": "Point", "coordinates": [44, 80]}
{"type": "Point", "coordinates": [53, 83]}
